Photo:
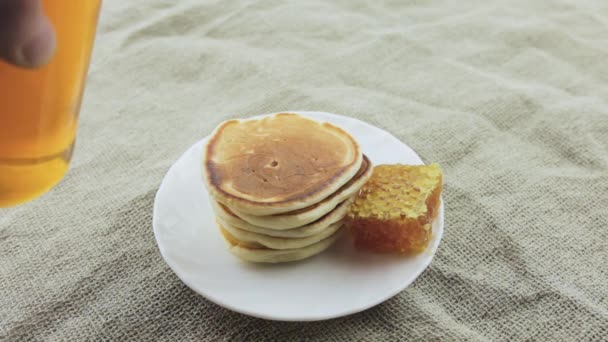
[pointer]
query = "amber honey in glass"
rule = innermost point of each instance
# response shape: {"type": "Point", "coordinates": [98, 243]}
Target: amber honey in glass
{"type": "Point", "coordinates": [40, 107]}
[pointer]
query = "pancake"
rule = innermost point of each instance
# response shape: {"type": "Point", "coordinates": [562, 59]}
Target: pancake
{"type": "Point", "coordinates": [278, 164]}
{"type": "Point", "coordinates": [260, 254]}
{"type": "Point", "coordinates": [228, 217]}
{"type": "Point", "coordinates": [310, 214]}
{"type": "Point", "coordinates": [278, 242]}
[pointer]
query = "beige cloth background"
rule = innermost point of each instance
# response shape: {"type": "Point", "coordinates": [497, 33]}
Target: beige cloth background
{"type": "Point", "coordinates": [510, 97]}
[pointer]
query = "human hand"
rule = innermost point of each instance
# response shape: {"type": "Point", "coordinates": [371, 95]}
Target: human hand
{"type": "Point", "coordinates": [27, 38]}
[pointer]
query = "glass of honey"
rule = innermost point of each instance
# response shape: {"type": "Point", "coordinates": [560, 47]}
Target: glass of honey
{"type": "Point", "coordinates": [40, 107]}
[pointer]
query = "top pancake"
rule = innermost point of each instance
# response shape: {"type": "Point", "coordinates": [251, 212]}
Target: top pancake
{"type": "Point", "coordinates": [278, 164]}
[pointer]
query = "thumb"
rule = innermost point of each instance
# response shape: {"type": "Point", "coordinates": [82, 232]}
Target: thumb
{"type": "Point", "coordinates": [27, 37]}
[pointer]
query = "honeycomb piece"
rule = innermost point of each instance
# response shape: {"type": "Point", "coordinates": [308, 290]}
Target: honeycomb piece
{"type": "Point", "coordinates": [394, 210]}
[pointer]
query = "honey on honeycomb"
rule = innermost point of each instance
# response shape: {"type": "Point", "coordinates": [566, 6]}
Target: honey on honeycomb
{"type": "Point", "coordinates": [394, 210]}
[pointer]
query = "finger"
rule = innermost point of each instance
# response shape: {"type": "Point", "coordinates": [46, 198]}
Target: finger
{"type": "Point", "coordinates": [27, 37]}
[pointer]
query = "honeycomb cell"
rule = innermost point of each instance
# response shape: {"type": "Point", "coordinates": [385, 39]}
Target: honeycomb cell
{"type": "Point", "coordinates": [393, 212]}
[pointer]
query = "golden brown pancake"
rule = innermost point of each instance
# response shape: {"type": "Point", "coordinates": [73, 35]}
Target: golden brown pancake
{"type": "Point", "coordinates": [267, 255]}
{"type": "Point", "coordinates": [310, 214]}
{"type": "Point", "coordinates": [273, 242]}
{"type": "Point", "coordinates": [228, 217]}
{"type": "Point", "coordinates": [235, 242]}
{"type": "Point", "coordinates": [278, 164]}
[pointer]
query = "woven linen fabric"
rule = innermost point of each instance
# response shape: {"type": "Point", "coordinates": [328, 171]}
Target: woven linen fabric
{"type": "Point", "coordinates": [509, 97]}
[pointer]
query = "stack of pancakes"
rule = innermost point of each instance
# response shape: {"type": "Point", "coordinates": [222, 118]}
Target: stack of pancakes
{"type": "Point", "coordinates": [282, 185]}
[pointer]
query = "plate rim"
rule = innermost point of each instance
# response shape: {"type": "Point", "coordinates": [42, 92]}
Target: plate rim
{"type": "Point", "coordinates": [311, 318]}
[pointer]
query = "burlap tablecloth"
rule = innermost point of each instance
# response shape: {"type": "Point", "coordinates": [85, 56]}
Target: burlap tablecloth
{"type": "Point", "coordinates": [511, 98]}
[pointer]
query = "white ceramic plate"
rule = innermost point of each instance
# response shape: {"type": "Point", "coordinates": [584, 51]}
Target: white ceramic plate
{"type": "Point", "coordinates": [338, 282]}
